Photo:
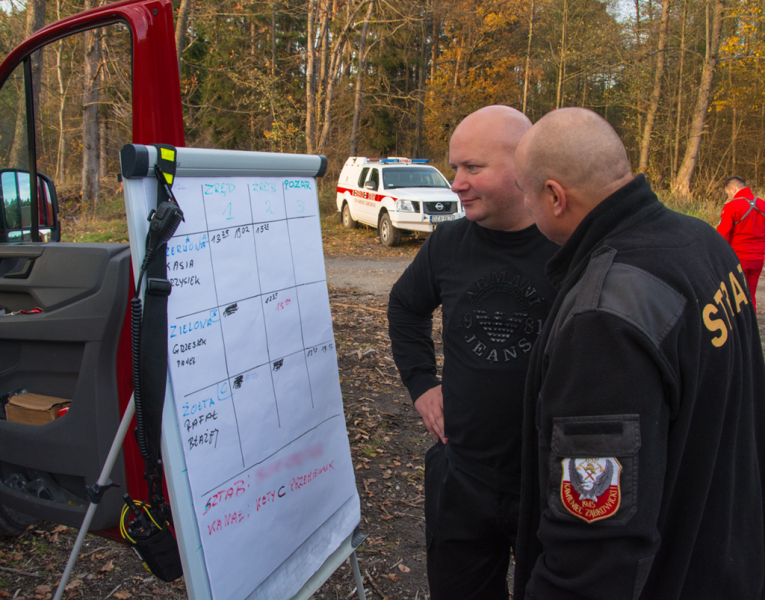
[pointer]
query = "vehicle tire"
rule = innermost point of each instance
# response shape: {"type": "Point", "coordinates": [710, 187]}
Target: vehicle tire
{"type": "Point", "coordinates": [389, 235]}
{"type": "Point", "coordinates": [346, 218]}
{"type": "Point", "coordinates": [14, 523]}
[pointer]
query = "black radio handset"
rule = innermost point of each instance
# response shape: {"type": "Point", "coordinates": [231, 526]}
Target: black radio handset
{"type": "Point", "coordinates": [164, 221]}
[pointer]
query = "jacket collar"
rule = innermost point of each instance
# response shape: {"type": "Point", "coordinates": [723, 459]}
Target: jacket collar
{"type": "Point", "coordinates": [745, 193]}
{"type": "Point", "coordinates": [617, 212]}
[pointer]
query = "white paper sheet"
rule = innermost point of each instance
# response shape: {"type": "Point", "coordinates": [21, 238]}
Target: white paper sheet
{"type": "Point", "coordinates": [254, 373]}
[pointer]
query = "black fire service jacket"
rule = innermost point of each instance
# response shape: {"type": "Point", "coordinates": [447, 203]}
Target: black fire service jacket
{"type": "Point", "coordinates": [643, 416]}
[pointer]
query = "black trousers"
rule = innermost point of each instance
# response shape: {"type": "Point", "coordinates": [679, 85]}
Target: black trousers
{"type": "Point", "coordinates": [470, 529]}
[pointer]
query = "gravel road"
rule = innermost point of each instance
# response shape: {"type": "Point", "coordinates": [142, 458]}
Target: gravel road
{"type": "Point", "coordinates": [370, 275]}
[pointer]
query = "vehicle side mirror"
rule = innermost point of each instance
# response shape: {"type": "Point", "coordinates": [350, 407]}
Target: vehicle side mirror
{"type": "Point", "coordinates": [370, 185]}
{"type": "Point", "coordinates": [16, 207]}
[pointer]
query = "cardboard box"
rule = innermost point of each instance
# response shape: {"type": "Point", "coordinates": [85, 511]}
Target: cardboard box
{"type": "Point", "coordinates": [34, 409]}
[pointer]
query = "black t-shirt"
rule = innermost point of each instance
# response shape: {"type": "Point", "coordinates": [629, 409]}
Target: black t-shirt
{"type": "Point", "coordinates": [494, 297]}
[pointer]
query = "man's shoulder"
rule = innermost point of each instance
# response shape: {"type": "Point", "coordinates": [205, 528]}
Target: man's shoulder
{"type": "Point", "coordinates": [738, 204]}
{"type": "Point", "coordinates": [627, 291]}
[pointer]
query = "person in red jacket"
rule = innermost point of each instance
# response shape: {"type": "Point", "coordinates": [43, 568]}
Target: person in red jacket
{"type": "Point", "coordinates": [742, 224]}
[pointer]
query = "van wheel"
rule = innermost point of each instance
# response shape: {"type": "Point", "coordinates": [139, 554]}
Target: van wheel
{"type": "Point", "coordinates": [14, 523]}
{"type": "Point", "coordinates": [347, 219]}
{"type": "Point", "coordinates": [389, 235]}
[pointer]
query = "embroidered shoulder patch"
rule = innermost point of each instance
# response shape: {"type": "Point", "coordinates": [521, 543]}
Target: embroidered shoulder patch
{"type": "Point", "coordinates": [589, 487]}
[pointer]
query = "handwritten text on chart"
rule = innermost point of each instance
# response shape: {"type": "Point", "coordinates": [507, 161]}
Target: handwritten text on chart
{"type": "Point", "coordinates": [194, 324]}
{"type": "Point", "coordinates": [262, 501]}
{"type": "Point", "coordinates": [180, 265]}
{"type": "Point", "coordinates": [223, 392]}
{"type": "Point", "coordinates": [316, 349]}
{"type": "Point", "coordinates": [219, 236]}
{"type": "Point", "coordinates": [188, 245]}
{"type": "Point", "coordinates": [207, 438]}
{"type": "Point", "coordinates": [219, 189]}
{"type": "Point", "coordinates": [297, 183]}
{"type": "Point", "coordinates": [264, 187]}
{"type": "Point", "coordinates": [295, 459]}
{"type": "Point", "coordinates": [191, 424]}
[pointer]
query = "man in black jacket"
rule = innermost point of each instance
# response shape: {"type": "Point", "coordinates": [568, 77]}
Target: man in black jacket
{"type": "Point", "coordinates": [644, 412]}
{"type": "Point", "coordinates": [486, 272]}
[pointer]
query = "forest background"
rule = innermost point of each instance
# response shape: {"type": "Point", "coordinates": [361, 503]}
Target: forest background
{"type": "Point", "coordinates": [682, 81]}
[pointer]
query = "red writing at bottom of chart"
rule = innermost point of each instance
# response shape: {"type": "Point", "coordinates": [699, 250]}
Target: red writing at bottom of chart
{"type": "Point", "coordinates": [239, 488]}
{"type": "Point", "coordinates": [230, 519]}
{"type": "Point", "coordinates": [263, 502]}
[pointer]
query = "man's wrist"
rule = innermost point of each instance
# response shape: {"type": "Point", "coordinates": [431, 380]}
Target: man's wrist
{"type": "Point", "coordinates": [421, 383]}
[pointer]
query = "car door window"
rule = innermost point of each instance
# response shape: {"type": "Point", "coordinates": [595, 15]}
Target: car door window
{"type": "Point", "coordinates": [82, 118]}
{"type": "Point", "coordinates": [14, 151]}
{"type": "Point", "coordinates": [363, 176]}
{"type": "Point", "coordinates": [374, 177]}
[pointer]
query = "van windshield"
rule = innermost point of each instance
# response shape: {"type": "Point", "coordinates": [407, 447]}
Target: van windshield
{"type": "Point", "coordinates": [408, 177]}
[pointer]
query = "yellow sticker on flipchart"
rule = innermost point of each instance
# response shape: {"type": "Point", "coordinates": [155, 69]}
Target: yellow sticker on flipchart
{"type": "Point", "coordinates": [168, 178]}
{"type": "Point", "coordinates": [167, 154]}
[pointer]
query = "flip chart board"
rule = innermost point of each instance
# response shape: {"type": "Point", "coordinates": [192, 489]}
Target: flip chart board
{"type": "Point", "coordinates": [258, 450]}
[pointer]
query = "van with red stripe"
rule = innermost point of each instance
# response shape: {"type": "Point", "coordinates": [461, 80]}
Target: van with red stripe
{"type": "Point", "coordinates": [397, 195]}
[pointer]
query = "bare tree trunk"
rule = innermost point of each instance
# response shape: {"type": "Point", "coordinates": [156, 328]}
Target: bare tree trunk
{"type": "Point", "coordinates": [682, 185]}
{"type": "Point", "coordinates": [360, 81]}
{"type": "Point", "coordinates": [321, 82]}
{"type": "Point", "coordinates": [310, 89]}
{"type": "Point", "coordinates": [528, 57]}
{"type": "Point", "coordinates": [19, 155]}
{"type": "Point", "coordinates": [653, 106]}
{"type": "Point", "coordinates": [638, 36]}
{"type": "Point", "coordinates": [90, 145]}
{"type": "Point", "coordinates": [456, 78]}
{"type": "Point", "coordinates": [181, 24]}
{"type": "Point", "coordinates": [103, 126]}
{"type": "Point", "coordinates": [562, 62]}
{"type": "Point", "coordinates": [273, 42]}
{"type": "Point", "coordinates": [638, 45]}
{"type": "Point", "coordinates": [436, 30]}
{"type": "Point", "coordinates": [734, 126]}
{"type": "Point", "coordinates": [61, 154]}
{"type": "Point", "coordinates": [421, 92]}
{"type": "Point", "coordinates": [680, 92]}
{"type": "Point", "coordinates": [332, 74]}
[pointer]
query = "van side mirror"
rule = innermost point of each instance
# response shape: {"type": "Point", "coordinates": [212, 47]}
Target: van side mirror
{"type": "Point", "coordinates": [16, 207]}
{"type": "Point", "coordinates": [370, 185]}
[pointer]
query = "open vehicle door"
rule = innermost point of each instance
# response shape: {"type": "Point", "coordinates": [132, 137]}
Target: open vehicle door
{"type": "Point", "coordinates": [77, 346]}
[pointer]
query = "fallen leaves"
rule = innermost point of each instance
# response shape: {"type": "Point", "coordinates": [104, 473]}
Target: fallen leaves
{"type": "Point", "coordinates": [107, 567]}
{"type": "Point", "coordinates": [73, 585]}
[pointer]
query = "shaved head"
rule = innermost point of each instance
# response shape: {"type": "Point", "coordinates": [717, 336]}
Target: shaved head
{"type": "Point", "coordinates": [567, 163]}
{"type": "Point", "coordinates": [577, 148]}
{"type": "Point", "coordinates": [498, 125]}
{"type": "Point", "coordinates": [482, 154]}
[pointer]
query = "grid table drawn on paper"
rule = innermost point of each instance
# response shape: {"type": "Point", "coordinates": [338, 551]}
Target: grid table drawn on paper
{"type": "Point", "coordinates": [254, 373]}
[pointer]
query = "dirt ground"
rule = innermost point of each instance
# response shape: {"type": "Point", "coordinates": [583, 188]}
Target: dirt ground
{"type": "Point", "coordinates": [388, 444]}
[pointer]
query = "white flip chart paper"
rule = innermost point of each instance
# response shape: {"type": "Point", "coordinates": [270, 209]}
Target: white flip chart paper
{"type": "Point", "coordinates": [253, 368]}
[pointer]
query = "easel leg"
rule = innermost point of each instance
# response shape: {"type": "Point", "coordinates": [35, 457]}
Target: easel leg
{"type": "Point", "coordinates": [357, 576]}
{"type": "Point", "coordinates": [102, 481]}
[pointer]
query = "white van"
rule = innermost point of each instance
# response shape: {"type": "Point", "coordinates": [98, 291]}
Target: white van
{"type": "Point", "coordinates": [397, 195]}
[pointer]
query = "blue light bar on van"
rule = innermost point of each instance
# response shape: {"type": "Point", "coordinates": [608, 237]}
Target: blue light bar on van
{"type": "Point", "coordinates": [388, 160]}
{"type": "Point", "coordinates": [420, 161]}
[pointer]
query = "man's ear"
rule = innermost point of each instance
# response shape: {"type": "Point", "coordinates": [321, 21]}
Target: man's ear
{"type": "Point", "coordinates": [557, 195]}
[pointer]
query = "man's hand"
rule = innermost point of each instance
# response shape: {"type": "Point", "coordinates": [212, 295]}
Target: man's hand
{"type": "Point", "coordinates": [431, 408]}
